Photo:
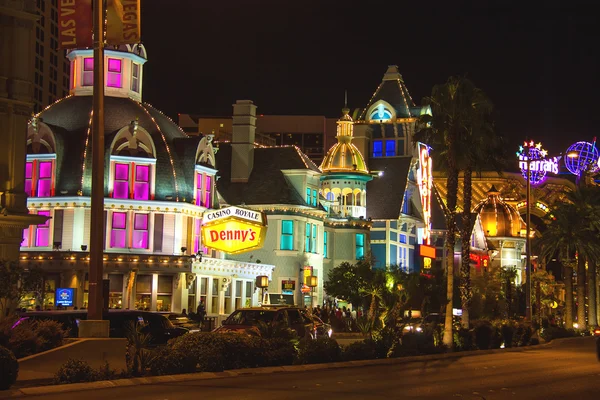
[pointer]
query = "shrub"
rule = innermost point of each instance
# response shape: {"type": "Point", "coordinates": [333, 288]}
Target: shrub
{"type": "Point", "coordinates": [167, 361]}
{"type": "Point", "coordinates": [361, 350]}
{"type": "Point", "coordinates": [278, 351]}
{"type": "Point", "coordinates": [9, 368]}
{"type": "Point", "coordinates": [50, 333]}
{"type": "Point", "coordinates": [415, 343]}
{"type": "Point", "coordinates": [106, 373]}
{"type": "Point", "coordinates": [522, 335]}
{"type": "Point", "coordinates": [483, 335]}
{"type": "Point", "coordinates": [75, 371]}
{"type": "Point", "coordinates": [463, 340]}
{"type": "Point", "coordinates": [556, 332]}
{"type": "Point", "coordinates": [317, 351]}
{"type": "Point", "coordinates": [385, 339]}
{"type": "Point", "coordinates": [507, 331]}
{"type": "Point", "coordinates": [23, 340]}
{"type": "Point", "coordinates": [220, 351]}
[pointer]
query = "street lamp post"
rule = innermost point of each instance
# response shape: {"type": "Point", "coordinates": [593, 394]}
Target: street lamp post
{"type": "Point", "coordinates": [312, 282]}
{"type": "Point", "coordinates": [528, 243]}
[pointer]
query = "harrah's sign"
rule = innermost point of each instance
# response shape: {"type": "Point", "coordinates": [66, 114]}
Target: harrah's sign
{"type": "Point", "coordinates": [543, 165]}
{"type": "Point", "coordinates": [233, 230]}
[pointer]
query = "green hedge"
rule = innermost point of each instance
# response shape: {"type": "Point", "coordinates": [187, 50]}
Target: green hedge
{"type": "Point", "coordinates": [9, 368]}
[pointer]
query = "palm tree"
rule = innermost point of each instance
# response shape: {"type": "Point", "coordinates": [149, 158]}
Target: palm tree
{"type": "Point", "coordinates": [572, 237]}
{"type": "Point", "coordinates": [441, 130]}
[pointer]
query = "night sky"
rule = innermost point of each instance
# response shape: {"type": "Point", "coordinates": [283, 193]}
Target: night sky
{"type": "Point", "coordinates": [537, 60]}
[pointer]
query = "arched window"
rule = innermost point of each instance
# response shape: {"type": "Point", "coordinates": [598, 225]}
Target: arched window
{"type": "Point", "coordinates": [381, 112]}
{"type": "Point", "coordinates": [330, 196]}
{"type": "Point", "coordinates": [132, 164]}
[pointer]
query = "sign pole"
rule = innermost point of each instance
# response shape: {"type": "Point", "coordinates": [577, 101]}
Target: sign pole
{"type": "Point", "coordinates": [96, 303]}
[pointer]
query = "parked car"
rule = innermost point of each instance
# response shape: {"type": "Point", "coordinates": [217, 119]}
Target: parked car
{"type": "Point", "coordinates": [158, 326]}
{"type": "Point", "coordinates": [183, 321]}
{"type": "Point", "coordinates": [297, 319]}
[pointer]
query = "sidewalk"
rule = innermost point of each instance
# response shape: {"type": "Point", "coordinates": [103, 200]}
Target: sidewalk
{"type": "Point", "coordinates": [40, 368]}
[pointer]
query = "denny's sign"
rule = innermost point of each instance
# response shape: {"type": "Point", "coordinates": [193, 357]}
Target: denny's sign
{"type": "Point", "coordinates": [233, 230]}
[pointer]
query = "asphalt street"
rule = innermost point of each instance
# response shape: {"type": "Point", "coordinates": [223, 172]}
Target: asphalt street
{"type": "Point", "coordinates": [566, 370]}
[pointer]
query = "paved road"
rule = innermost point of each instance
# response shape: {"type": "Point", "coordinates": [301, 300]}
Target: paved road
{"type": "Point", "coordinates": [567, 370]}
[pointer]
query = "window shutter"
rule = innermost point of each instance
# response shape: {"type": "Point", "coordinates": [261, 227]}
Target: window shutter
{"type": "Point", "coordinates": [58, 226]}
{"type": "Point", "coordinates": [159, 220]}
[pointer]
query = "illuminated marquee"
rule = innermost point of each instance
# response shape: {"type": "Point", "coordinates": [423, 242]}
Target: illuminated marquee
{"type": "Point", "coordinates": [424, 180]}
{"type": "Point", "coordinates": [535, 156]}
{"type": "Point", "coordinates": [233, 230]}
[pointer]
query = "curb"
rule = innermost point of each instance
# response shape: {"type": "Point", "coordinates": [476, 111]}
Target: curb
{"type": "Point", "coordinates": [75, 387]}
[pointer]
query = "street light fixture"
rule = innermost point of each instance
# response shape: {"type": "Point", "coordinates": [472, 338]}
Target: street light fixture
{"type": "Point", "coordinates": [262, 282]}
{"type": "Point", "coordinates": [312, 282]}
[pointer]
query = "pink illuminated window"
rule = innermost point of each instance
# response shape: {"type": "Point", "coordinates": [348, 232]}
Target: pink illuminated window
{"type": "Point", "coordinates": [140, 231]}
{"type": "Point", "coordinates": [44, 183]}
{"type": "Point", "coordinates": [198, 189]}
{"type": "Point", "coordinates": [197, 235]}
{"type": "Point", "coordinates": [88, 71]}
{"type": "Point", "coordinates": [28, 177]}
{"type": "Point", "coordinates": [118, 235]}
{"type": "Point", "coordinates": [42, 233]}
{"type": "Point", "coordinates": [113, 75]}
{"type": "Point", "coordinates": [141, 187]}
{"type": "Point", "coordinates": [121, 181]}
{"type": "Point", "coordinates": [207, 192]}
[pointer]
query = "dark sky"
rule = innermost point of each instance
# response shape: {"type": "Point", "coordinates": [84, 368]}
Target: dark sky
{"type": "Point", "coordinates": [537, 60]}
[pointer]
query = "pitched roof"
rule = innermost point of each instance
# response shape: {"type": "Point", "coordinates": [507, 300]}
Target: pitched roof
{"type": "Point", "coordinates": [266, 184]}
{"type": "Point", "coordinates": [386, 193]}
{"type": "Point", "coordinates": [393, 90]}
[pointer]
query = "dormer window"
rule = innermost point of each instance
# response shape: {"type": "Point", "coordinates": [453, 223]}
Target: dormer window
{"type": "Point", "coordinates": [113, 75]}
{"type": "Point", "coordinates": [381, 113]}
{"type": "Point", "coordinates": [131, 179]}
{"type": "Point", "coordinates": [135, 77]}
{"type": "Point", "coordinates": [39, 175]}
{"type": "Point", "coordinates": [88, 71]}
{"type": "Point", "coordinates": [203, 188]}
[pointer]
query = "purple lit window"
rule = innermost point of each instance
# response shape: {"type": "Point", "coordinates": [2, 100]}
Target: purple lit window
{"type": "Point", "coordinates": [118, 235]}
{"type": "Point", "coordinates": [121, 181]}
{"type": "Point", "coordinates": [42, 233]}
{"type": "Point", "coordinates": [141, 188]}
{"type": "Point", "coordinates": [44, 183]}
{"type": "Point", "coordinates": [198, 189]}
{"type": "Point", "coordinates": [88, 71]}
{"type": "Point", "coordinates": [113, 75]}
{"type": "Point", "coordinates": [197, 235]}
{"type": "Point", "coordinates": [28, 177]}
{"type": "Point", "coordinates": [207, 194]}
{"type": "Point", "coordinates": [140, 231]}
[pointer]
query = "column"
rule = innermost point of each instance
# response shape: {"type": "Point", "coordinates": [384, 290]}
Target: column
{"type": "Point", "coordinates": [154, 292]}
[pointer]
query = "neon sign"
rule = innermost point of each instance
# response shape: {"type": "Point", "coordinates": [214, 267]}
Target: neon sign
{"type": "Point", "coordinates": [424, 180]}
{"type": "Point", "coordinates": [533, 157]}
{"type": "Point", "coordinates": [233, 230]}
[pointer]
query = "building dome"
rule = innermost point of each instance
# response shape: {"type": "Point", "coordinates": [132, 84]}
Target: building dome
{"type": "Point", "coordinates": [344, 156]}
{"type": "Point", "coordinates": [498, 218]}
{"type": "Point", "coordinates": [131, 129]}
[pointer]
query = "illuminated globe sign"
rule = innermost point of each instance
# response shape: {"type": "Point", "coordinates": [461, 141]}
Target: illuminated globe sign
{"type": "Point", "coordinates": [533, 157]}
{"type": "Point", "coordinates": [580, 155]}
{"type": "Point", "coordinates": [233, 230]}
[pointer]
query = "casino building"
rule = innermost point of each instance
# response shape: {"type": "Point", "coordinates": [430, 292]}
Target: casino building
{"type": "Point", "coordinates": [158, 184]}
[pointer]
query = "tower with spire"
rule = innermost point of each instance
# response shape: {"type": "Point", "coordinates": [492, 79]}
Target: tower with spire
{"type": "Point", "coordinates": [345, 173]}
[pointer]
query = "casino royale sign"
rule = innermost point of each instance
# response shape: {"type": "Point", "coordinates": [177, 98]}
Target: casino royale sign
{"type": "Point", "coordinates": [233, 230]}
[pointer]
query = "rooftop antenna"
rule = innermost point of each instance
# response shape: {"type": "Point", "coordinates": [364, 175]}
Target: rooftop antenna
{"type": "Point", "coordinates": [346, 98]}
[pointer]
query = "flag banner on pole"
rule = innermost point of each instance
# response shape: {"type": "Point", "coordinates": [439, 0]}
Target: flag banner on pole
{"type": "Point", "coordinates": [74, 24]}
{"type": "Point", "coordinates": [122, 22]}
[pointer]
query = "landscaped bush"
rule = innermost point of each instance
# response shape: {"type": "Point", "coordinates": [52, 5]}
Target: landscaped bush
{"type": "Point", "coordinates": [75, 371]}
{"type": "Point", "coordinates": [220, 351]}
{"type": "Point", "coordinates": [385, 339]}
{"type": "Point", "coordinates": [9, 368]}
{"type": "Point", "coordinates": [50, 333]}
{"type": "Point", "coordinates": [507, 331]}
{"type": "Point", "coordinates": [277, 351]}
{"type": "Point", "coordinates": [463, 340]}
{"type": "Point", "coordinates": [361, 350]}
{"type": "Point", "coordinates": [23, 340]}
{"type": "Point", "coordinates": [414, 344]}
{"type": "Point", "coordinates": [522, 335]}
{"type": "Point", "coordinates": [167, 361]}
{"type": "Point", "coordinates": [318, 351]}
{"type": "Point", "coordinates": [556, 332]}
{"type": "Point", "coordinates": [483, 331]}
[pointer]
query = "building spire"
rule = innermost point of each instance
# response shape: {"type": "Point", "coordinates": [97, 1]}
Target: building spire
{"type": "Point", "coordinates": [346, 98]}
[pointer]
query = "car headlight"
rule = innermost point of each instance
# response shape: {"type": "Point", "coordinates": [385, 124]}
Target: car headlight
{"type": "Point", "coordinates": [407, 328]}
{"type": "Point", "coordinates": [330, 332]}
{"type": "Point", "coordinates": [419, 329]}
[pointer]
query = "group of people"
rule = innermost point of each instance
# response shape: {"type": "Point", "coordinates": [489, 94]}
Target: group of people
{"type": "Point", "coordinates": [340, 317]}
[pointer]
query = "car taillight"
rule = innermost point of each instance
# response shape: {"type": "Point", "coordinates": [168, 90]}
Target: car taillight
{"type": "Point", "coordinates": [596, 332]}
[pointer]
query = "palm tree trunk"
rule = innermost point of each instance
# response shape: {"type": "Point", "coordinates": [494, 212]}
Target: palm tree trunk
{"type": "Point", "coordinates": [592, 293]}
{"type": "Point", "coordinates": [465, 267]}
{"type": "Point", "coordinates": [568, 297]}
{"type": "Point", "coordinates": [452, 184]}
{"type": "Point", "coordinates": [581, 320]}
